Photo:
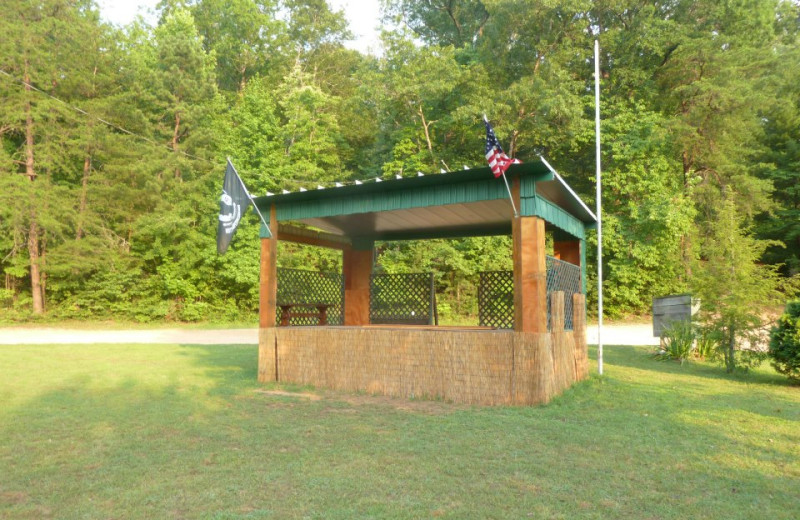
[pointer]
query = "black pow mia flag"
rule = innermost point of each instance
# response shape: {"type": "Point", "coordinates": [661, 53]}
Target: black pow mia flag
{"type": "Point", "coordinates": [232, 205]}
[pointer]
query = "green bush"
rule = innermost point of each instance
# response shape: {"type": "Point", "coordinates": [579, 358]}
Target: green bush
{"type": "Point", "coordinates": [784, 343]}
{"type": "Point", "coordinates": [678, 341]}
{"type": "Point", "coordinates": [706, 345]}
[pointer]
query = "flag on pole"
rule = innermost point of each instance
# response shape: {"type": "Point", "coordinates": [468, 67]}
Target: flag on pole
{"type": "Point", "coordinates": [232, 205]}
{"type": "Point", "coordinates": [498, 160]}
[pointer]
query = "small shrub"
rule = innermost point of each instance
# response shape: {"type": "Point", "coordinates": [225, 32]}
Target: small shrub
{"type": "Point", "coordinates": [784, 343]}
{"type": "Point", "coordinates": [678, 341]}
{"type": "Point", "coordinates": [706, 345]}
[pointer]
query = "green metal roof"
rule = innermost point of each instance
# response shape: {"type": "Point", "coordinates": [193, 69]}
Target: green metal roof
{"type": "Point", "coordinates": [469, 202]}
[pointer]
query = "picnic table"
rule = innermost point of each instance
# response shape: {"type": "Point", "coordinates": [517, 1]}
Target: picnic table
{"type": "Point", "coordinates": [304, 310]}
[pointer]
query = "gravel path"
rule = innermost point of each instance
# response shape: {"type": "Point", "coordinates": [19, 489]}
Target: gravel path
{"type": "Point", "coordinates": [12, 336]}
{"type": "Point", "coordinates": [637, 334]}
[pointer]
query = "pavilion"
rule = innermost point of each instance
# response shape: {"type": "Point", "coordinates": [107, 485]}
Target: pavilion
{"type": "Point", "coordinates": [528, 364]}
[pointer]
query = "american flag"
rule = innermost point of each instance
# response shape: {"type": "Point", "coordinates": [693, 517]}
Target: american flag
{"type": "Point", "coordinates": [498, 160]}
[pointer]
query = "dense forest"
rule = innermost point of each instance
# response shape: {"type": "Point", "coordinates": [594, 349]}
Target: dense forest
{"type": "Point", "coordinates": [113, 141]}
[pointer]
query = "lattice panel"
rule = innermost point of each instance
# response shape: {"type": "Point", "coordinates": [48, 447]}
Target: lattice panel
{"type": "Point", "coordinates": [566, 277]}
{"type": "Point", "coordinates": [405, 298]}
{"type": "Point", "coordinates": [496, 293]}
{"type": "Point", "coordinates": [496, 299]}
{"type": "Point", "coordinates": [300, 286]}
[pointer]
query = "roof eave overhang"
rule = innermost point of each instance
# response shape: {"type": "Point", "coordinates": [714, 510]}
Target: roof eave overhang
{"type": "Point", "coordinates": [472, 192]}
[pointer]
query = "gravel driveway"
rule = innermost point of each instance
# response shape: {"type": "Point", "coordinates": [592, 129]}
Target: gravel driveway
{"type": "Point", "coordinates": [615, 334]}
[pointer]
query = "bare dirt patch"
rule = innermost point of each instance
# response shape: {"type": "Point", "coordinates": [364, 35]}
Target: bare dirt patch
{"type": "Point", "coordinates": [283, 393]}
{"type": "Point", "coordinates": [406, 405]}
{"type": "Point", "coordinates": [13, 497]}
{"type": "Point", "coordinates": [358, 400]}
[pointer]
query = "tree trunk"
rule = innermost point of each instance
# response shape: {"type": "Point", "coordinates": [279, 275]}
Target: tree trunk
{"type": "Point", "coordinates": [512, 148]}
{"type": "Point", "coordinates": [175, 140]}
{"type": "Point", "coordinates": [37, 294]}
{"type": "Point", "coordinates": [425, 125]}
{"type": "Point", "coordinates": [11, 286]}
{"type": "Point", "coordinates": [730, 351]}
{"type": "Point", "coordinates": [87, 166]}
{"type": "Point", "coordinates": [43, 270]}
{"type": "Point", "coordinates": [686, 240]}
{"type": "Point", "coordinates": [242, 80]}
{"type": "Point", "coordinates": [36, 273]}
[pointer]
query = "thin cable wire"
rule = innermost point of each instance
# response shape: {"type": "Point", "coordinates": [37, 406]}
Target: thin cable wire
{"type": "Point", "coordinates": [108, 123]}
{"type": "Point", "coordinates": [297, 182]}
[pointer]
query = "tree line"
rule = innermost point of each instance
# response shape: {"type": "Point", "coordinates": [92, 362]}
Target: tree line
{"type": "Point", "coordinates": [113, 141]}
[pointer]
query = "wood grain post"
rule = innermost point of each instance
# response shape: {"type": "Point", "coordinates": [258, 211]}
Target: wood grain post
{"type": "Point", "coordinates": [568, 251]}
{"type": "Point", "coordinates": [579, 336]}
{"type": "Point", "coordinates": [562, 345]}
{"type": "Point", "coordinates": [557, 311]}
{"type": "Point", "coordinates": [530, 275]}
{"type": "Point", "coordinates": [357, 267]}
{"type": "Point", "coordinates": [268, 280]}
{"type": "Point", "coordinates": [267, 297]}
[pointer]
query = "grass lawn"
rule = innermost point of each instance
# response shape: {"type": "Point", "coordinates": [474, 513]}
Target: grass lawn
{"type": "Point", "coordinates": [182, 431]}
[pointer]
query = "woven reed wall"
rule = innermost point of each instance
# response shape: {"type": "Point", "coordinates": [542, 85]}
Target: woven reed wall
{"type": "Point", "coordinates": [462, 366]}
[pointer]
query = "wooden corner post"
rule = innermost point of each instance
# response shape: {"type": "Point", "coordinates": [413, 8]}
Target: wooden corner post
{"type": "Point", "coordinates": [267, 300]}
{"type": "Point", "coordinates": [530, 275]}
{"type": "Point", "coordinates": [357, 268]}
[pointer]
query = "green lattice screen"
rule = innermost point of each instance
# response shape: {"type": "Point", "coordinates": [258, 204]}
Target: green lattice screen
{"type": "Point", "coordinates": [405, 298]}
{"type": "Point", "coordinates": [301, 286]}
{"type": "Point", "coordinates": [496, 299]}
{"type": "Point", "coordinates": [566, 277]}
{"type": "Point", "coordinates": [496, 293]}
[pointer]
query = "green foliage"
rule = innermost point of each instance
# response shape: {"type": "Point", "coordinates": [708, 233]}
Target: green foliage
{"type": "Point", "coordinates": [244, 36]}
{"type": "Point", "coordinates": [706, 345]}
{"type": "Point", "coordinates": [732, 285]}
{"type": "Point", "coordinates": [455, 264]}
{"type": "Point", "coordinates": [781, 166]}
{"type": "Point", "coordinates": [700, 122]}
{"type": "Point", "coordinates": [441, 23]}
{"type": "Point", "coordinates": [647, 211]}
{"type": "Point", "coordinates": [677, 341]}
{"type": "Point", "coordinates": [784, 342]}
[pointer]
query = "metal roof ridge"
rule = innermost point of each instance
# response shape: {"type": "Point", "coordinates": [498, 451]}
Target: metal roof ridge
{"type": "Point", "coordinates": [355, 182]}
{"type": "Point", "coordinates": [394, 180]}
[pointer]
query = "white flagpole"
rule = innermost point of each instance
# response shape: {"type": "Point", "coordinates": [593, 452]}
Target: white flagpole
{"type": "Point", "coordinates": [510, 197]}
{"type": "Point", "coordinates": [599, 209]}
{"type": "Point", "coordinates": [263, 221]}
{"type": "Point", "coordinates": [253, 202]}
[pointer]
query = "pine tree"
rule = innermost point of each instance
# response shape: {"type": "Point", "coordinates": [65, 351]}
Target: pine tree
{"type": "Point", "coordinates": [42, 52]}
{"type": "Point", "coordinates": [730, 282]}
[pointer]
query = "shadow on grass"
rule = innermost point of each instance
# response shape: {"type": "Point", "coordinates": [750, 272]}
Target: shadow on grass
{"type": "Point", "coordinates": [178, 444]}
{"type": "Point", "coordinates": [705, 386]}
{"type": "Point", "coordinates": [231, 367]}
{"type": "Point", "coordinates": [642, 358]}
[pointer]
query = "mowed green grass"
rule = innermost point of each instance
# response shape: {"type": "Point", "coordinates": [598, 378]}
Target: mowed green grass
{"type": "Point", "coordinates": [182, 431]}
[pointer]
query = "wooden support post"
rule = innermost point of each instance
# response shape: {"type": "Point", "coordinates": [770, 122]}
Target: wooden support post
{"type": "Point", "coordinates": [557, 311]}
{"type": "Point", "coordinates": [267, 297]}
{"type": "Point", "coordinates": [568, 251]}
{"type": "Point", "coordinates": [530, 275]}
{"type": "Point", "coordinates": [268, 283]}
{"type": "Point", "coordinates": [357, 267]}
{"type": "Point", "coordinates": [579, 335]}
